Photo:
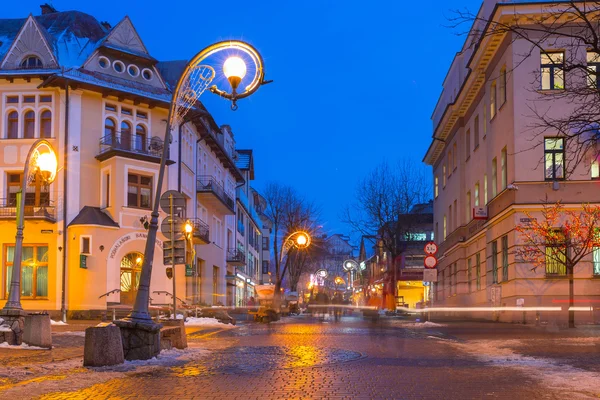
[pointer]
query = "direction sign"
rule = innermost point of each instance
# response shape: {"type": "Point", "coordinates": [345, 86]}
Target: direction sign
{"type": "Point", "coordinates": [176, 199]}
{"type": "Point", "coordinates": [431, 248]}
{"type": "Point", "coordinates": [430, 275]}
{"type": "Point", "coordinates": [178, 251]}
{"type": "Point", "coordinates": [176, 224]}
{"type": "Point", "coordinates": [430, 261]}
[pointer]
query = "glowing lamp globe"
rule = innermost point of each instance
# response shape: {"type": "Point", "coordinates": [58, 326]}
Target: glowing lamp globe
{"type": "Point", "coordinates": [188, 228]}
{"type": "Point", "coordinates": [234, 69]}
{"type": "Point", "coordinates": [301, 240]}
{"type": "Point", "coordinates": [47, 165]}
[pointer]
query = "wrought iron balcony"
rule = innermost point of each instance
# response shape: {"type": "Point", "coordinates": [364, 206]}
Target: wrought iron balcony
{"type": "Point", "coordinates": [211, 191]}
{"type": "Point", "coordinates": [132, 146]}
{"type": "Point", "coordinates": [236, 257]}
{"type": "Point", "coordinates": [44, 209]}
{"type": "Point", "coordinates": [200, 234]}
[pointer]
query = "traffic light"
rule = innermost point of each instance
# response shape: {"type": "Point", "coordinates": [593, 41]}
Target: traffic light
{"type": "Point", "coordinates": [169, 271]}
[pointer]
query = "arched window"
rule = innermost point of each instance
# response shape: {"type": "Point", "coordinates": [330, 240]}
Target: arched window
{"type": "Point", "coordinates": [46, 124]}
{"type": "Point", "coordinates": [31, 62]}
{"type": "Point", "coordinates": [125, 135]}
{"type": "Point", "coordinates": [29, 125]}
{"type": "Point", "coordinates": [140, 138]}
{"type": "Point", "coordinates": [12, 125]}
{"type": "Point", "coordinates": [110, 132]}
{"type": "Point", "coordinates": [131, 269]}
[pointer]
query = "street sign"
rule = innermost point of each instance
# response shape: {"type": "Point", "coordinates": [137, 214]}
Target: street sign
{"type": "Point", "coordinates": [430, 261]}
{"type": "Point", "coordinates": [431, 248]}
{"type": "Point", "coordinates": [176, 224]}
{"type": "Point", "coordinates": [480, 213]}
{"type": "Point", "coordinates": [83, 261]}
{"type": "Point", "coordinates": [430, 275]}
{"type": "Point", "coordinates": [178, 252]}
{"type": "Point", "coordinates": [177, 199]}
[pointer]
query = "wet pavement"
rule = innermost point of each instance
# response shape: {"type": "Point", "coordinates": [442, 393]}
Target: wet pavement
{"type": "Point", "coordinates": [299, 357]}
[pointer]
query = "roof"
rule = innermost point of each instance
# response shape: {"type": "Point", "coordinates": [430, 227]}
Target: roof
{"type": "Point", "coordinates": [93, 216]}
{"type": "Point", "coordinates": [244, 159]}
{"type": "Point", "coordinates": [171, 71]}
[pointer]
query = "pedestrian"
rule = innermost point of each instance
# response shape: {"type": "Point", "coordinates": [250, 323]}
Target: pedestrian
{"type": "Point", "coordinates": [336, 301]}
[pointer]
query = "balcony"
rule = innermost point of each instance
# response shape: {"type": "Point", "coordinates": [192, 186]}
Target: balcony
{"type": "Point", "coordinates": [45, 211]}
{"type": "Point", "coordinates": [200, 234]}
{"type": "Point", "coordinates": [131, 146]}
{"type": "Point", "coordinates": [212, 193]}
{"type": "Point", "coordinates": [236, 257]}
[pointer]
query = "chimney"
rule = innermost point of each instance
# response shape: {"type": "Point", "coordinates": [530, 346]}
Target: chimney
{"type": "Point", "coordinates": [106, 25]}
{"type": "Point", "coordinates": [47, 9]}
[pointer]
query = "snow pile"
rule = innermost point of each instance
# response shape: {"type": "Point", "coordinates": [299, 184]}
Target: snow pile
{"type": "Point", "coordinates": [5, 328]}
{"type": "Point", "coordinates": [24, 346]}
{"type": "Point", "coordinates": [70, 333]}
{"type": "Point", "coordinates": [207, 322]}
{"type": "Point", "coordinates": [53, 322]}
{"type": "Point", "coordinates": [179, 316]}
{"type": "Point", "coordinates": [426, 324]}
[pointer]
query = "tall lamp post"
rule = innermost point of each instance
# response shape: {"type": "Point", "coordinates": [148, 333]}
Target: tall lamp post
{"type": "Point", "coordinates": [297, 239]}
{"type": "Point", "coordinates": [194, 80]}
{"type": "Point", "coordinates": [41, 163]}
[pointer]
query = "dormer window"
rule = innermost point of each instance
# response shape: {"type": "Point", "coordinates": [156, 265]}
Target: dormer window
{"type": "Point", "coordinates": [31, 62]}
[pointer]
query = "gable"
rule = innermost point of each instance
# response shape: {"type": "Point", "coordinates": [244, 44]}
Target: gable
{"type": "Point", "coordinates": [31, 40]}
{"type": "Point", "coordinates": [124, 36]}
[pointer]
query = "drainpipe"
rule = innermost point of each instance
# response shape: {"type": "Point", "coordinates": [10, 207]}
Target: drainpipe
{"type": "Point", "coordinates": [179, 157]}
{"type": "Point", "coordinates": [63, 306]}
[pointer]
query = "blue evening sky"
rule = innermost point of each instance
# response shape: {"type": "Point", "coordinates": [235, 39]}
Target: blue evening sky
{"type": "Point", "coordinates": [355, 81]}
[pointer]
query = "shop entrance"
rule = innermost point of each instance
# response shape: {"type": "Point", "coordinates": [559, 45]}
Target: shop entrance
{"type": "Point", "coordinates": [131, 269]}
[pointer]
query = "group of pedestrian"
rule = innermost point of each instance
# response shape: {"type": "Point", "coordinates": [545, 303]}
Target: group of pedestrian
{"type": "Point", "coordinates": [322, 305]}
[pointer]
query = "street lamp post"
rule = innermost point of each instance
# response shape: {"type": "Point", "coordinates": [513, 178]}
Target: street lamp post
{"type": "Point", "coordinates": [194, 80]}
{"type": "Point", "coordinates": [42, 164]}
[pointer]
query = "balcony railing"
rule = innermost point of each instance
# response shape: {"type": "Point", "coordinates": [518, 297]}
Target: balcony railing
{"type": "Point", "coordinates": [134, 146]}
{"type": "Point", "coordinates": [208, 184]}
{"type": "Point", "coordinates": [236, 257]}
{"type": "Point", "coordinates": [201, 233]}
{"type": "Point", "coordinates": [43, 210]}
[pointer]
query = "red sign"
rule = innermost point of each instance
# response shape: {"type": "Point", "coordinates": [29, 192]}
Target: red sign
{"type": "Point", "coordinates": [430, 261]}
{"type": "Point", "coordinates": [431, 248]}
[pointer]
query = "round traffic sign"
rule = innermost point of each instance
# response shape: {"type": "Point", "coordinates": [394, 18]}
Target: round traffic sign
{"type": "Point", "coordinates": [172, 198]}
{"type": "Point", "coordinates": [431, 248]}
{"type": "Point", "coordinates": [172, 227]}
{"type": "Point", "coordinates": [430, 261]}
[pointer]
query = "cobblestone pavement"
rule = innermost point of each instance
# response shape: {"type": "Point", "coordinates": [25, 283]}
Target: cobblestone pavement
{"type": "Point", "coordinates": [304, 358]}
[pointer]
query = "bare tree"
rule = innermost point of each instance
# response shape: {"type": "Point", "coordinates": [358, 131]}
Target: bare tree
{"type": "Point", "coordinates": [571, 106]}
{"type": "Point", "coordinates": [384, 199]}
{"type": "Point", "coordinates": [559, 241]}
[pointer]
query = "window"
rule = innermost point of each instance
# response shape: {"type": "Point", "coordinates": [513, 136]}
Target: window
{"type": "Point", "coordinates": [217, 232]}
{"type": "Point", "coordinates": [502, 86]}
{"type": "Point", "coordinates": [126, 111]}
{"type": "Point", "coordinates": [552, 65]}
{"type": "Point", "coordinates": [556, 256]}
{"type": "Point", "coordinates": [139, 191]}
{"type": "Point", "coordinates": [444, 175]}
{"type": "Point", "coordinates": [478, 271]}
{"type": "Point", "coordinates": [265, 243]}
{"type": "Point", "coordinates": [495, 261]}
{"type": "Point", "coordinates": [110, 107]}
{"type": "Point", "coordinates": [31, 62]}
{"type": "Point", "coordinates": [147, 74]}
{"type": "Point", "coordinates": [46, 124]}
{"type": "Point", "coordinates": [110, 131]}
{"type": "Point", "coordinates": [29, 99]}
{"type": "Point", "coordinates": [37, 194]}
{"type": "Point", "coordinates": [34, 270]}
{"type": "Point", "coordinates": [435, 187]}
{"type": "Point", "coordinates": [45, 99]}
{"type": "Point", "coordinates": [455, 219]}
{"type": "Point", "coordinates": [85, 245]}
{"type": "Point", "coordinates": [12, 125]}
{"type": "Point", "coordinates": [593, 62]}
{"type": "Point", "coordinates": [107, 199]}
{"type": "Point", "coordinates": [140, 138]}
{"type": "Point", "coordinates": [503, 168]}
{"type": "Point", "coordinates": [596, 259]}
{"type": "Point", "coordinates": [445, 227]}
{"type": "Point", "coordinates": [476, 131]}
{"type": "Point", "coordinates": [29, 125]}
{"type": "Point", "coordinates": [454, 153]}
{"type": "Point", "coordinates": [504, 241]}
{"type": "Point", "coordinates": [141, 115]}
{"type": "Point", "coordinates": [595, 169]}
{"type": "Point", "coordinates": [554, 155]}
{"type": "Point", "coordinates": [468, 210]}
{"type": "Point", "coordinates": [125, 135]}
{"type": "Point", "coordinates": [118, 66]}
{"type": "Point", "coordinates": [484, 120]}
{"type": "Point", "coordinates": [133, 70]}
{"type": "Point", "coordinates": [493, 100]}
{"type": "Point", "coordinates": [468, 143]}
{"type": "Point", "coordinates": [265, 267]}
{"type": "Point", "coordinates": [450, 159]}
{"type": "Point", "coordinates": [103, 62]}
{"type": "Point", "coordinates": [477, 194]}
{"type": "Point", "coordinates": [12, 99]}
{"type": "Point", "coordinates": [450, 223]}
{"type": "Point", "coordinates": [485, 189]}
{"type": "Point", "coordinates": [494, 177]}
{"type": "Point", "coordinates": [436, 232]}
{"type": "Point", "coordinates": [469, 274]}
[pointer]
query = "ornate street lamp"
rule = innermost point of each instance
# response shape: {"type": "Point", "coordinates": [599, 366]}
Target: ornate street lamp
{"type": "Point", "coordinates": [41, 165]}
{"type": "Point", "coordinates": [194, 80]}
{"type": "Point", "coordinates": [298, 239]}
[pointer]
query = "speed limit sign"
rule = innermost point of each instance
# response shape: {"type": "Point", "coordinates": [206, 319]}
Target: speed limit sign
{"type": "Point", "coordinates": [431, 248]}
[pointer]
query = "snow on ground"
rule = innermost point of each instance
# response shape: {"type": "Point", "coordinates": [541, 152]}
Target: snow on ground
{"type": "Point", "coordinates": [552, 374]}
{"type": "Point", "coordinates": [426, 324]}
{"type": "Point", "coordinates": [70, 333]}
{"type": "Point", "coordinates": [23, 346]}
{"type": "Point", "coordinates": [53, 322]}
{"type": "Point", "coordinates": [207, 322]}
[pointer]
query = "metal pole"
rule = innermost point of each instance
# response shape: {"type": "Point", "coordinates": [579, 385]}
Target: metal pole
{"type": "Point", "coordinates": [173, 256]}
